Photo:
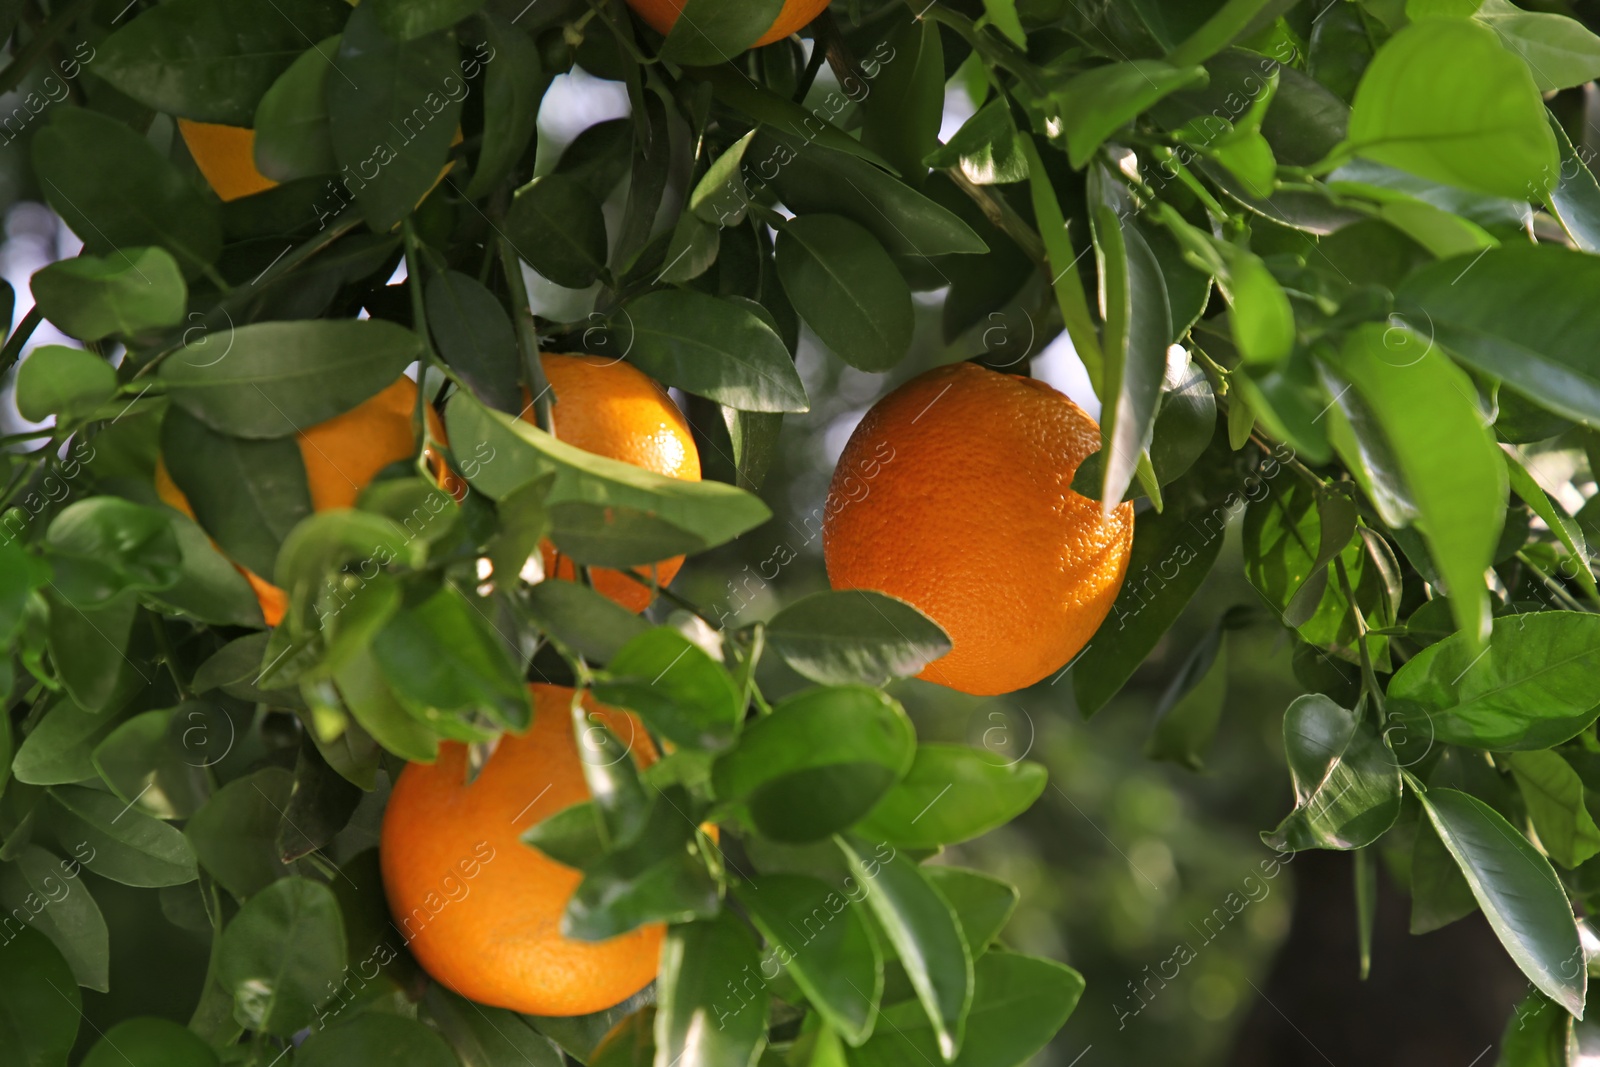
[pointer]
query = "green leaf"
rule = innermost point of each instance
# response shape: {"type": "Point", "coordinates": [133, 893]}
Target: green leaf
{"type": "Point", "coordinates": [754, 435]}
{"type": "Point", "coordinates": [1191, 707]}
{"type": "Point", "coordinates": [1019, 1003]}
{"type": "Point", "coordinates": [711, 347]}
{"type": "Point", "coordinates": [778, 113]}
{"type": "Point", "coordinates": [1532, 687]}
{"type": "Point", "coordinates": [824, 943]}
{"type": "Point", "coordinates": [279, 956]}
{"type": "Point", "coordinates": [487, 1037]}
{"type": "Point", "coordinates": [40, 1006]}
{"type": "Point", "coordinates": [600, 535]}
{"type": "Point", "coordinates": [475, 337]}
{"type": "Point", "coordinates": [650, 879]}
{"type": "Point", "coordinates": [125, 844]}
{"type": "Point", "coordinates": [676, 687]}
{"type": "Point", "coordinates": [573, 837]}
{"type": "Point", "coordinates": [209, 587]}
{"type": "Point", "coordinates": [815, 180]}
{"type": "Point", "coordinates": [132, 545]}
{"type": "Point", "coordinates": [925, 936]}
{"type": "Point", "coordinates": [585, 621]}
{"type": "Point", "coordinates": [1134, 297]}
{"type": "Point", "coordinates": [375, 1039]}
{"type": "Point", "coordinates": [1536, 1034]}
{"type": "Point", "coordinates": [1443, 100]}
{"type": "Point", "coordinates": [211, 62]}
{"type": "Point", "coordinates": [951, 794]}
{"type": "Point", "coordinates": [845, 636]}
{"type": "Point", "coordinates": [1451, 466]}
{"type": "Point", "coordinates": [708, 32]}
{"type": "Point", "coordinates": [1519, 893]}
{"type": "Point", "coordinates": [1093, 105]}
{"type": "Point", "coordinates": [278, 378]}
{"type": "Point", "coordinates": [406, 20]}
{"type": "Point", "coordinates": [698, 961]}
{"type": "Point", "coordinates": [1575, 197]}
{"type": "Point", "coordinates": [125, 294]}
{"type": "Point", "coordinates": [1559, 51]}
{"type": "Point", "coordinates": [368, 697]}
{"type": "Point", "coordinates": [818, 763]}
{"type": "Point", "coordinates": [1261, 317]}
{"type": "Point", "coordinates": [843, 283]}
{"type": "Point", "coordinates": [443, 656]}
{"type": "Point", "coordinates": [393, 114]}
{"type": "Point", "coordinates": [149, 1043]}
{"type": "Point", "coordinates": [235, 836]}
{"type": "Point", "coordinates": [58, 749]}
{"type": "Point", "coordinates": [983, 904]}
{"type": "Point", "coordinates": [90, 648]}
{"type": "Point", "coordinates": [514, 83]}
{"type": "Point", "coordinates": [146, 762]}
{"type": "Point", "coordinates": [556, 225]}
{"type": "Point", "coordinates": [987, 148]}
{"type": "Point", "coordinates": [902, 114]}
{"type": "Point", "coordinates": [1555, 516]}
{"type": "Point", "coordinates": [1227, 23]}
{"type": "Point", "coordinates": [1517, 313]}
{"type": "Point", "coordinates": [501, 454]}
{"type": "Point", "coordinates": [149, 204]}
{"type": "Point", "coordinates": [293, 135]}
{"type": "Point", "coordinates": [1553, 793]}
{"type": "Point", "coordinates": [46, 893]}
{"type": "Point", "coordinates": [1440, 894]}
{"type": "Point", "coordinates": [1346, 780]}
{"type": "Point", "coordinates": [1066, 281]}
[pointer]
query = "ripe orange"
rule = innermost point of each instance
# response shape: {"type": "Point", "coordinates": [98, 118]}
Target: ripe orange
{"type": "Point", "coordinates": [481, 910]}
{"type": "Point", "coordinates": [955, 494]}
{"type": "Point", "coordinates": [796, 14]}
{"type": "Point", "coordinates": [614, 410]}
{"type": "Point", "coordinates": [226, 156]}
{"type": "Point", "coordinates": [341, 458]}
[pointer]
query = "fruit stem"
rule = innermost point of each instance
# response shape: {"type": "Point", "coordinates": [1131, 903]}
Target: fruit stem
{"type": "Point", "coordinates": [527, 337]}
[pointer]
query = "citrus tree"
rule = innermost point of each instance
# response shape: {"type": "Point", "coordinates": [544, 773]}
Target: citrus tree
{"type": "Point", "coordinates": [339, 530]}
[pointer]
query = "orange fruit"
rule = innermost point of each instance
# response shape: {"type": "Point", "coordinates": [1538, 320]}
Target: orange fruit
{"type": "Point", "coordinates": [480, 909]}
{"type": "Point", "coordinates": [796, 15]}
{"type": "Point", "coordinates": [614, 410]}
{"type": "Point", "coordinates": [955, 495]}
{"type": "Point", "coordinates": [226, 155]}
{"type": "Point", "coordinates": [341, 458]}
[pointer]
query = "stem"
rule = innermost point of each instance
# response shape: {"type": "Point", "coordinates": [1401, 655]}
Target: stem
{"type": "Point", "coordinates": [527, 337]}
{"type": "Point", "coordinates": [1002, 216]}
{"type": "Point", "coordinates": [19, 337]}
{"type": "Point", "coordinates": [687, 605]}
{"type": "Point", "coordinates": [998, 51]}
{"type": "Point", "coordinates": [1550, 583]}
{"type": "Point", "coordinates": [46, 36]}
{"type": "Point", "coordinates": [1369, 678]}
{"type": "Point", "coordinates": [168, 657]}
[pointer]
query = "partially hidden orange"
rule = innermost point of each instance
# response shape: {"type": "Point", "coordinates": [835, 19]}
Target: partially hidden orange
{"type": "Point", "coordinates": [955, 495]}
{"type": "Point", "coordinates": [226, 156]}
{"type": "Point", "coordinates": [482, 911]}
{"type": "Point", "coordinates": [662, 15]}
{"type": "Point", "coordinates": [614, 410]}
{"type": "Point", "coordinates": [342, 456]}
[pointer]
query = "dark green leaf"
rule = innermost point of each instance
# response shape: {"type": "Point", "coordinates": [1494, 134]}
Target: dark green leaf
{"type": "Point", "coordinates": [209, 61]}
{"type": "Point", "coordinates": [125, 293]}
{"type": "Point", "coordinates": [556, 225]}
{"type": "Point", "coordinates": [1575, 196]}
{"type": "Point", "coordinates": [40, 1006]}
{"type": "Point", "coordinates": [824, 943]}
{"type": "Point", "coordinates": [405, 20]}
{"type": "Point", "coordinates": [475, 337]}
{"type": "Point", "coordinates": [1530, 689]}
{"type": "Point", "coordinates": [146, 762]}
{"type": "Point", "coordinates": [604, 535]}
{"type": "Point", "coordinates": [713, 348]}
{"type": "Point", "coordinates": [279, 956]}
{"type": "Point", "coordinates": [375, 1039]}
{"type": "Point", "coordinates": [1554, 795]}
{"type": "Point", "coordinates": [903, 113]}
{"type": "Point", "coordinates": [487, 1037]}
{"type": "Point", "coordinates": [987, 148]}
{"type": "Point", "coordinates": [818, 763]}
{"type": "Point", "coordinates": [843, 283]}
{"type": "Point", "coordinates": [590, 624]}
{"type": "Point", "coordinates": [1559, 51]}
{"type": "Point", "coordinates": [1517, 890]}
{"type": "Point", "coordinates": [1346, 781]}
{"type": "Point", "coordinates": [983, 905]}
{"type": "Point", "coordinates": [235, 836]}
{"type": "Point", "coordinates": [853, 635]}
{"type": "Point", "coordinates": [952, 794]}
{"type": "Point", "coordinates": [124, 844]}
{"type": "Point", "coordinates": [1134, 297]}
{"type": "Point", "coordinates": [90, 648]}
{"type": "Point", "coordinates": [698, 961]}
{"type": "Point", "coordinates": [708, 32]}
{"type": "Point", "coordinates": [514, 82]}
{"type": "Point", "coordinates": [1093, 105]}
{"type": "Point", "coordinates": [59, 748]}
{"type": "Point", "coordinates": [393, 115]}
{"type": "Point", "coordinates": [279, 378]}
{"type": "Point", "coordinates": [442, 655]}
{"type": "Point", "coordinates": [150, 1043]}
{"type": "Point", "coordinates": [293, 136]}
{"type": "Point", "coordinates": [1439, 893]}
{"type": "Point", "coordinates": [46, 893]}
{"type": "Point", "coordinates": [209, 587]}
{"type": "Point", "coordinates": [676, 687]}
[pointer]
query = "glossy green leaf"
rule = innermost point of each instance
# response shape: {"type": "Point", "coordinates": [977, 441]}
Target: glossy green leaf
{"type": "Point", "coordinates": [590, 624]}
{"type": "Point", "coordinates": [1554, 795]}
{"type": "Point", "coordinates": [89, 645]}
{"type": "Point", "coordinates": [843, 283]}
{"type": "Point", "coordinates": [124, 844]}
{"type": "Point", "coordinates": [131, 545]}
{"type": "Point", "coordinates": [150, 1042]}
{"type": "Point", "coordinates": [1443, 99]}
{"type": "Point", "coordinates": [1346, 780]}
{"type": "Point", "coordinates": [209, 61]}
{"type": "Point", "coordinates": [818, 763]}
{"type": "Point", "coordinates": [983, 904]}
{"type": "Point", "coordinates": [443, 655]}
{"type": "Point", "coordinates": [1229, 21]}
{"type": "Point", "coordinates": [209, 587]}
{"type": "Point", "coordinates": [483, 1036]}
{"type": "Point", "coordinates": [1559, 51]}
{"type": "Point", "coordinates": [1574, 198]}
{"type": "Point", "coordinates": [278, 957]}
{"type": "Point", "coordinates": [146, 762]}
{"type": "Point", "coordinates": [1518, 892]}
{"type": "Point", "coordinates": [235, 835]}
{"type": "Point", "coordinates": [708, 32]}
{"type": "Point", "coordinates": [393, 114]}
{"type": "Point", "coordinates": [1191, 706]}
{"type": "Point", "coordinates": [1451, 466]}
{"type": "Point", "coordinates": [1440, 894]}
{"type": "Point", "coordinates": [47, 893]}
{"type": "Point", "coordinates": [902, 115]}
{"type": "Point", "coordinates": [824, 943]}
{"type": "Point", "coordinates": [514, 83]}
{"type": "Point", "coordinates": [1531, 688]}
{"type": "Point", "coordinates": [293, 135]}
{"type": "Point", "coordinates": [408, 19]}
{"type": "Point", "coordinates": [1134, 298]}
{"type": "Point", "coordinates": [987, 148]}
{"type": "Point", "coordinates": [125, 293]}
{"type": "Point", "coordinates": [855, 635]}
{"type": "Point", "coordinates": [556, 225]}
{"type": "Point", "coordinates": [926, 938]}
{"type": "Point", "coordinates": [951, 794]}
{"type": "Point", "coordinates": [40, 1006]}
{"type": "Point", "coordinates": [1093, 105]}
{"type": "Point", "coordinates": [713, 348]}
{"type": "Point", "coordinates": [279, 378]}
{"type": "Point", "coordinates": [676, 687]}
{"type": "Point", "coordinates": [149, 204]}
{"type": "Point", "coordinates": [58, 749]}
{"type": "Point", "coordinates": [698, 961]}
